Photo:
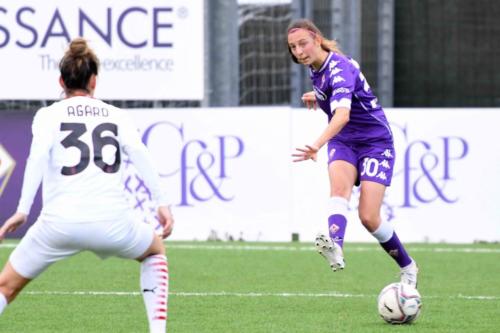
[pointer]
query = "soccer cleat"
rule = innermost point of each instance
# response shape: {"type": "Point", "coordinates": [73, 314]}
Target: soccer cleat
{"type": "Point", "coordinates": [331, 251]}
{"type": "Point", "coordinates": [409, 274]}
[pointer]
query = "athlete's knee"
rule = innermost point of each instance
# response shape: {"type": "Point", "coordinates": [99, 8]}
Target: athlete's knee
{"type": "Point", "coordinates": [370, 220]}
{"type": "Point", "coordinates": [155, 248]}
{"type": "Point", "coordinates": [9, 289]}
{"type": "Point", "coordinates": [340, 191]}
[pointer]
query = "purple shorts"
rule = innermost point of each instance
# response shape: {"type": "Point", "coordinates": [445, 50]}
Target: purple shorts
{"type": "Point", "coordinates": [374, 162]}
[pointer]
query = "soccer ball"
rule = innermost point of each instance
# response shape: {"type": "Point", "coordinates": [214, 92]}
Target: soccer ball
{"type": "Point", "coordinates": [399, 303]}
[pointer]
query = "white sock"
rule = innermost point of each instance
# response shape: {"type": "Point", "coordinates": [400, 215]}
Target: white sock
{"type": "Point", "coordinates": [384, 232]}
{"type": "Point", "coordinates": [3, 303]}
{"type": "Point", "coordinates": [154, 287]}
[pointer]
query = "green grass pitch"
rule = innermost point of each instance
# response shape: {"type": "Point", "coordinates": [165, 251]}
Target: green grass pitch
{"type": "Point", "coordinates": [262, 287]}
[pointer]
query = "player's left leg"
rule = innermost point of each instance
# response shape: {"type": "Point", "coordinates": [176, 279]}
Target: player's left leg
{"type": "Point", "coordinates": [11, 283]}
{"type": "Point", "coordinates": [370, 203]}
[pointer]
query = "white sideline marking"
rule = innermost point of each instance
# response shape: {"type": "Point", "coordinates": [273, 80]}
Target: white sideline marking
{"type": "Point", "coordinates": [311, 247]}
{"type": "Point", "coordinates": [251, 294]}
{"type": "Point", "coordinates": [305, 248]}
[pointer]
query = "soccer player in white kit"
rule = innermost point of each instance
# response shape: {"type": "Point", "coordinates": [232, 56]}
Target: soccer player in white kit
{"type": "Point", "coordinates": [77, 149]}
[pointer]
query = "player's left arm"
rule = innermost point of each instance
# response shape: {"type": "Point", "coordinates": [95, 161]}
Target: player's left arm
{"type": "Point", "coordinates": [140, 157]}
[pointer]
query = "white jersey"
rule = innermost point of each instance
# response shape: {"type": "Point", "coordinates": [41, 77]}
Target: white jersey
{"type": "Point", "coordinates": [78, 149]}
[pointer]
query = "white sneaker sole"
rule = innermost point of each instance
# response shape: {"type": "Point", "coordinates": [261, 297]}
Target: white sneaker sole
{"type": "Point", "coordinates": [325, 247]}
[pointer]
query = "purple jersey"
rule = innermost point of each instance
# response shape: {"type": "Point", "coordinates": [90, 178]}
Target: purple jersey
{"type": "Point", "coordinates": [340, 83]}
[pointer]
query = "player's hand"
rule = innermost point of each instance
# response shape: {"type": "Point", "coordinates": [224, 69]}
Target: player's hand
{"type": "Point", "coordinates": [14, 222]}
{"type": "Point", "coordinates": [310, 152]}
{"type": "Point", "coordinates": [166, 220]}
{"type": "Point", "coordinates": [309, 99]}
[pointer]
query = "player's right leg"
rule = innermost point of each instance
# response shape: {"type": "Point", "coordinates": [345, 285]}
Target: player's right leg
{"type": "Point", "coordinates": [342, 176]}
{"type": "Point", "coordinates": [11, 283]}
{"type": "Point", "coordinates": [38, 249]}
{"type": "Point", "coordinates": [154, 284]}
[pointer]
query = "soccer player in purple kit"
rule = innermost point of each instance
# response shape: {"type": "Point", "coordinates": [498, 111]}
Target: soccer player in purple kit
{"type": "Point", "coordinates": [359, 140]}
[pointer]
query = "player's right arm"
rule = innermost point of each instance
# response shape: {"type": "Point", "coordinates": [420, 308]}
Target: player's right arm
{"type": "Point", "coordinates": [12, 223]}
{"type": "Point", "coordinates": [309, 99]}
{"type": "Point", "coordinates": [33, 173]}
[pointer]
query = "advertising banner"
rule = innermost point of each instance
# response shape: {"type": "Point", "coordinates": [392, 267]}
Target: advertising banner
{"type": "Point", "coordinates": [227, 170]}
{"type": "Point", "coordinates": [229, 173]}
{"type": "Point", "coordinates": [444, 184]}
{"type": "Point", "coordinates": [150, 49]}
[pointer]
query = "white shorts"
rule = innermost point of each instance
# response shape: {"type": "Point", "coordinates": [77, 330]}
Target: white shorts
{"type": "Point", "coordinates": [48, 242]}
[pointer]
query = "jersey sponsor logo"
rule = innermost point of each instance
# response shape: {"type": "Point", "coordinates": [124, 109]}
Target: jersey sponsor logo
{"type": "Point", "coordinates": [341, 90]}
{"type": "Point", "coordinates": [337, 79]}
{"type": "Point", "coordinates": [319, 94]}
{"type": "Point", "coordinates": [385, 164]}
{"type": "Point", "coordinates": [387, 153]}
{"type": "Point", "coordinates": [382, 175]}
{"type": "Point", "coordinates": [7, 165]}
{"type": "Point", "coordinates": [334, 71]}
{"type": "Point", "coordinates": [332, 64]}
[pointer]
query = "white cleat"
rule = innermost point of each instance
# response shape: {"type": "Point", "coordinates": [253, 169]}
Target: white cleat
{"type": "Point", "coordinates": [409, 274]}
{"type": "Point", "coordinates": [331, 251]}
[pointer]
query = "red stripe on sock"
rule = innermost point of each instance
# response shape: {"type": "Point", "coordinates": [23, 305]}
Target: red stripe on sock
{"type": "Point", "coordinates": [161, 263]}
{"type": "Point", "coordinates": [162, 277]}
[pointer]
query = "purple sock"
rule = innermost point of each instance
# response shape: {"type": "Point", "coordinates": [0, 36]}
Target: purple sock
{"type": "Point", "coordinates": [336, 227]}
{"type": "Point", "coordinates": [397, 251]}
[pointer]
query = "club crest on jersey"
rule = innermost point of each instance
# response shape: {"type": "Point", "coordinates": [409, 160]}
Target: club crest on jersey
{"type": "Point", "coordinates": [7, 165]}
{"type": "Point", "coordinates": [322, 81]}
{"type": "Point", "coordinates": [319, 94]}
